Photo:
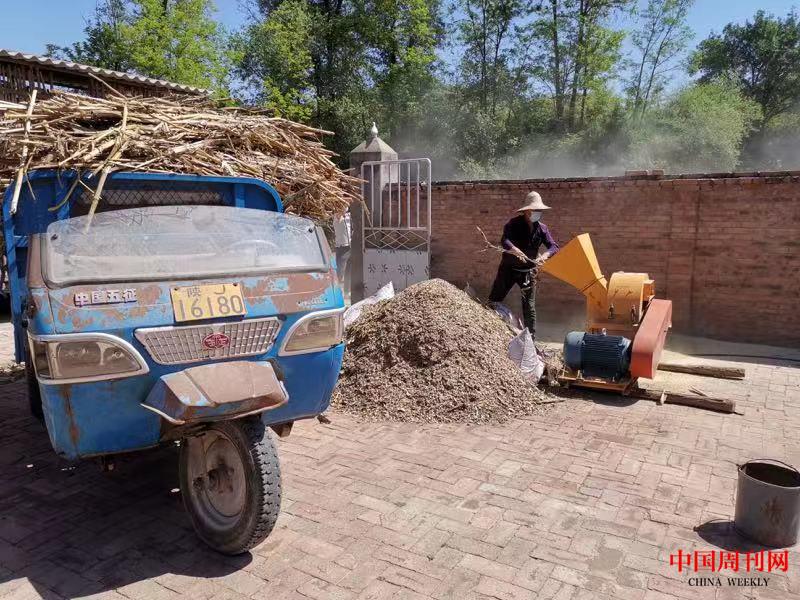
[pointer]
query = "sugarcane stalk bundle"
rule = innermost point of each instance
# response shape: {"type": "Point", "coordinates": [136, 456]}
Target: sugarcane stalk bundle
{"type": "Point", "coordinates": [178, 134]}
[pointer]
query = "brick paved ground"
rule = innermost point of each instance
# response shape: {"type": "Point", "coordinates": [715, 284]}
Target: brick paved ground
{"type": "Point", "coordinates": [6, 343]}
{"type": "Point", "coordinates": [585, 501]}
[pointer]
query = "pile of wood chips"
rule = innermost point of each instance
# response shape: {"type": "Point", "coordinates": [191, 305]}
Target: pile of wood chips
{"type": "Point", "coordinates": [178, 134]}
{"type": "Point", "coordinates": [11, 371]}
{"type": "Point", "coordinates": [432, 354]}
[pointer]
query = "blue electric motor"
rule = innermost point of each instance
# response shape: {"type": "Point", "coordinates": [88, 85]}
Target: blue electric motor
{"type": "Point", "coordinates": [597, 355]}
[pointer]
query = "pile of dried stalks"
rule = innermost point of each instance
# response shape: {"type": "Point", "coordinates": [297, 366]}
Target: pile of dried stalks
{"type": "Point", "coordinates": [172, 135]}
{"type": "Point", "coordinates": [432, 354]}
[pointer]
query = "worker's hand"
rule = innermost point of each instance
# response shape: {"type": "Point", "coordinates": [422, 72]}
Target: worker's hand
{"type": "Point", "coordinates": [540, 260]}
{"type": "Point", "coordinates": [519, 254]}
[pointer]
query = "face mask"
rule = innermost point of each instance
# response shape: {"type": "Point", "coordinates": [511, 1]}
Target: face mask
{"type": "Point", "coordinates": [536, 215]}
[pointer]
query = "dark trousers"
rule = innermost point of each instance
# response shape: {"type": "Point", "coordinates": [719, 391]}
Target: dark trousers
{"type": "Point", "coordinates": [505, 279]}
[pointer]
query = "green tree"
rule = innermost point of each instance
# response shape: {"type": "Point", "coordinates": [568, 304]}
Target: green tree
{"type": "Point", "coordinates": [762, 57]}
{"type": "Point", "coordinates": [369, 60]}
{"type": "Point", "coordinates": [600, 57]}
{"type": "Point", "coordinates": [178, 40]}
{"type": "Point", "coordinates": [335, 88]}
{"type": "Point", "coordinates": [660, 40]}
{"type": "Point", "coordinates": [405, 35]}
{"type": "Point", "coordinates": [105, 45]}
{"type": "Point", "coordinates": [576, 52]}
{"type": "Point", "coordinates": [484, 86]}
{"type": "Point", "coordinates": [485, 34]}
{"type": "Point", "coordinates": [701, 128]}
{"type": "Point", "coordinates": [591, 38]}
{"type": "Point", "coordinates": [550, 63]}
{"type": "Point", "coordinates": [274, 59]}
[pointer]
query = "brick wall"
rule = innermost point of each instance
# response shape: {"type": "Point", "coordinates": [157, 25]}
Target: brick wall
{"type": "Point", "coordinates": [724, 248]}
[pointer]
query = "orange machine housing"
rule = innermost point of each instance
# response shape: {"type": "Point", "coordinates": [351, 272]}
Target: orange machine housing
{"type": "Point", "coordinates": [625, 305]}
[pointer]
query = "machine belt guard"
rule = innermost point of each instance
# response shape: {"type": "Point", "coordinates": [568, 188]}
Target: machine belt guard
{"type": "Point", "coordinates": [650, 339]}
{"type": "Point", "coordinates": [216, 392]}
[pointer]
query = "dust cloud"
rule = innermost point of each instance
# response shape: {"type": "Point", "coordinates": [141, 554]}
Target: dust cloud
{"type": "Point", "coordinates": [567, 155]}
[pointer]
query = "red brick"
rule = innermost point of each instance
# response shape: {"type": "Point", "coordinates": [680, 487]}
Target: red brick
{"type": "Point", "coordinates": [655, 226]}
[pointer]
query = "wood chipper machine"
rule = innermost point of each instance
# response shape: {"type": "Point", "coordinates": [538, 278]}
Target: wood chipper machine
{"type": "Point", "coordinates": [626, 326]}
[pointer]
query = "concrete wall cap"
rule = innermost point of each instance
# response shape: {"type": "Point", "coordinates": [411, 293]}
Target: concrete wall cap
{"type": "Point", "coordinates": [374, 144]}
{"type": "Point", "coordinates": [653, 176]}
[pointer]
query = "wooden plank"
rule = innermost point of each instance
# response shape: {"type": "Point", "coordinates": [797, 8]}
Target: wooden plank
{"type": "Point", "coordinates": [704, 370]}
{"type": "Point", "coordinates": [723, 405]}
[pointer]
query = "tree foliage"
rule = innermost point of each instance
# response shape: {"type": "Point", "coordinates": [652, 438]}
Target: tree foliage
{"type": "Point", "coordinates": [273, 57]}
{"type": "Point", "coordinates": [104, 45]}
{"type": "Point", "coordinates": [345, 62]}
{"type": "Point", "coordinates": [177, 40]}
{"type": "Point", "coordinates": [576, 53]}
{"type": "Point", "coordinates": [661, 38]}
{"type": "Point", "coordinates": [485, 35]}
{"type": "Point", "coordinates": [486, 88]}
{"type": "Point", "coordinates": [700, 129]}
{"type": "Point", "coordinates": [762, 57]}
{"type": "Point", "coordinates": [404, 35]}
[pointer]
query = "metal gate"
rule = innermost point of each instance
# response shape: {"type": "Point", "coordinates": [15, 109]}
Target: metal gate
{"type": "Point", "coordinates": [396, 235]}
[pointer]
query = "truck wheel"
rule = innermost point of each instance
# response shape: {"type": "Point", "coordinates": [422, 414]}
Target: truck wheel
{"type": "Point", "coordinates": [231, 484]}
{"type": "Point", "coordinates": [34, 394]}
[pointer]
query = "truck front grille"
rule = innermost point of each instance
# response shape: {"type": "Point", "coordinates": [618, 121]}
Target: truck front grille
{"type": "Point", "coordinates": [187, 344]}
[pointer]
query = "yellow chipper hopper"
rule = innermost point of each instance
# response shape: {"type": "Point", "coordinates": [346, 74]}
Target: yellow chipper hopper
{"type": "Point", "coordinates": [626, 326]}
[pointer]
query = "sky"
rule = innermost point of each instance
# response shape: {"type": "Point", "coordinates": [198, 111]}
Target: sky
{"type": "Point", "coordinates": [29, 25]}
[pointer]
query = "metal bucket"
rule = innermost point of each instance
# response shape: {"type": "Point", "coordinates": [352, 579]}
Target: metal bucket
{"type": "Point", "coordinates": [768, 502]}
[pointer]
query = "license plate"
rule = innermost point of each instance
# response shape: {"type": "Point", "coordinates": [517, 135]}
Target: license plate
{"type": "Point", "coordinates": [196, 302]}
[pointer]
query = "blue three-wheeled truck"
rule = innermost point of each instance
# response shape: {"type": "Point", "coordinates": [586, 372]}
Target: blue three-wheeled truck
{"type": "Point", "coordinates": [186, 308]}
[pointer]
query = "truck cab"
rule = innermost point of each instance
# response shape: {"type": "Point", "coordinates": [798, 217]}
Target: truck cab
{"type": "Point", "coordinates": [180, 308]}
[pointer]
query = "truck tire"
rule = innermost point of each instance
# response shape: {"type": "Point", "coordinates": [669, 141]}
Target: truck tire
{"type": "Point", "coordinates": [34, 394]}
{"type": "Point", "coordinates": [231, 484]}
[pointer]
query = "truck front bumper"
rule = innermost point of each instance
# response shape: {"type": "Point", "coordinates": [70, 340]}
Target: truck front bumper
{"type": "Point", "coordinates": [216, 392]}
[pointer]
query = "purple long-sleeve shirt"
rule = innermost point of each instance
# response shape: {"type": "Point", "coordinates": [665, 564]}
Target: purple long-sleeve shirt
{"type": "Point", "coordinates": [528, 238]}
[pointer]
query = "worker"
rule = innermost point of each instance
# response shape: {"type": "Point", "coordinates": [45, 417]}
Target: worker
{"type": "Point", "coordinates": [342, 238]}
{"type": "Point", "coordinates": [523, 236]}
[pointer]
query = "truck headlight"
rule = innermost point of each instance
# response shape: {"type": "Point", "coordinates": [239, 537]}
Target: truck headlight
{"type": "Point", "coordinates": [84, 357]}
{"type": "Point", "coordinates": [315, 332]}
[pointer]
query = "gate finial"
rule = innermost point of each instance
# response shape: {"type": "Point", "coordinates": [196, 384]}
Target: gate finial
{"type": "Point", "coordinates": [373, 132]}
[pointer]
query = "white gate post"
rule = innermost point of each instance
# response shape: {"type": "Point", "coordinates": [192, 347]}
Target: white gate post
{"type": "Point", "coordinates": [371, 149]}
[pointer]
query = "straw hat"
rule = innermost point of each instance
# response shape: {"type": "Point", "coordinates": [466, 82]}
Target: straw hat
{"type": "Point", "coordinates": [533, 201]}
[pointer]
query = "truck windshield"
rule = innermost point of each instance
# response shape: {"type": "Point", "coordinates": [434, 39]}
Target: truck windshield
{"type": "Point", "coordinates": [179, 242]}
